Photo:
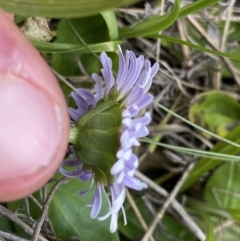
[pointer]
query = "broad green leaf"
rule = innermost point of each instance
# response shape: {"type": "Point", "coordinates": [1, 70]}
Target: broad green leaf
{"type": "Point", "coordinates": [152, 25]}
{"type": "Point", "coordinates": [223, 190]}
{"type": "Point", "coordinates": [223, 187]}
{"type": "Point", "coordinates": [61, 8]}
{"type": "Point", "coordinates": [111, 22]}
{"type": "Point", "coordinates": [206, 164]}
{"type": "Point", "coordinates": [82, 31]}
{"type": "Point", "coordinates": [171, 228]}
{"type": "Point", "coordinates": [18, 19]}
{"type": "Point", "coordinates": [229, 232]}
{"type": "Point", "coordinates": [6, 225]}
{"type": "Point", "coordinates": [210, 234]}
{"type": "Point", "coordinates": [69, 213]}
{"type": "Point", "coordinates": [217, 218]}
{"type": "Point", "coordinates": [194, 46]}
{"type": "Point", "coordinates": [216, 112]}
{"type": "Point", "coordinates": [71, 217]}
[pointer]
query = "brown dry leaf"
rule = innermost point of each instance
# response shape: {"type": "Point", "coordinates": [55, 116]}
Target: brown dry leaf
{"type": "Point", "coordinates": [37, 28]}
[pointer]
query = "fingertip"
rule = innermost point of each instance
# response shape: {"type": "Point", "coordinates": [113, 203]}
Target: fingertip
{"type": "Point", "coordinates": [34, 121]}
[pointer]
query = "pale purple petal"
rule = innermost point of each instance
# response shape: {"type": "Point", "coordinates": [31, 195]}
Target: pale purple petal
{"type": "Point", "coordinates": [135, 95]}
{"type": "Point", "coordinates": [123, 68]}
{"type": "Point", "coordinates": [117, 167]}
{"type": "Point", "coordinates": [74, 114]}
{"type": "Point", "coordinates": [135, 67]}
{"type": "Point", "coordinates": [88, 96]}
{"type": "Point", "coordinates": [134, 183]}
{"type": "Point", "coordinates": [71, 163]}
{"type": "Point", "coordinates": [75, 173]}
{"type": "Point", "coordinates": [113, 224]}
{"type": "Point", "coordinates": [154, 70]}
{"type": "Point", "coordinates": [80, 101]}
{"type": "Point", "coordinates": [144, 101]}
{"type": "Point", "coordinates": [97, 202]}
{"type": "Point", "coordinates": [107, 70]}
{"type": "Point", "coordinates": [98, 87]}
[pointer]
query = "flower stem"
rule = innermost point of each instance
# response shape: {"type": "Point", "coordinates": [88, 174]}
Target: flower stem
{"type": "Point", "coordinates": [73, 133]}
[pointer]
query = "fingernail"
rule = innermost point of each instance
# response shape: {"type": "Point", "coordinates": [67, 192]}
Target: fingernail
{"type": "Point", "coordinates": [30, 128]}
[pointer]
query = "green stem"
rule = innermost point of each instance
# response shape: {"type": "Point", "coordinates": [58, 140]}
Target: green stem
{"type": "Point", "coordinates": [73, 134]}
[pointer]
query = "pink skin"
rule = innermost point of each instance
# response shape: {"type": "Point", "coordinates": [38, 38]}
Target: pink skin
{"type": "Point", "coordinates": [34, 121]}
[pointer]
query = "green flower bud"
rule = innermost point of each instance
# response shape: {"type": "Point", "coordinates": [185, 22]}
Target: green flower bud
{"type": "Point", "coordinates": [96, 139]}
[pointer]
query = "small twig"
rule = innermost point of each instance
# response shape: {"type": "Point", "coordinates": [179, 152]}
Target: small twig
{"type": "Point", "coordinates": [137, 212]}
{"type": "Point", "coordinates": [185, 49]}
{"type": "Point", "coordinates": [81, 39]}
{"type": "Point", "coordinates": [176, 205]}
{"type": "Point", "coordinates": [11, 236]}
{"type": "Point", "coordinates": [159, 42]}
{"type": "Point", "coordinates": [223, 42]}
{"type": "Point", "coordinates": [81, 67]}
{"type": "Point", "coordinates": [28, 210]}
{"type": "Point", "coordinates": [63, 79]}
{"type": "Point", "coordinates": [223, 225]}
{"type": "Point", "coordinates": [40, 221]}
{"type": "Point", "coordinates": [5, 212]}
{"type": "Point", "coordinates": [35, 201]}
{"type": "Point", "coordinates": [165, 206]}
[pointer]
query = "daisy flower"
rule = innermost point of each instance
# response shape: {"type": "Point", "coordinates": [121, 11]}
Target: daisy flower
{"type": "Point", "coordinates": [107, 127]}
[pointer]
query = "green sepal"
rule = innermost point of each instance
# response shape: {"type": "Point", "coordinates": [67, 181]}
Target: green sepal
{"type": "Point", "coordinates": [96, 139]}
{"type": "Point", "coordinates": [96, 110]}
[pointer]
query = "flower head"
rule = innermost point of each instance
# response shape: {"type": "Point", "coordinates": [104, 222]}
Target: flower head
{"type": "Point", "coordinates": [107, 127]}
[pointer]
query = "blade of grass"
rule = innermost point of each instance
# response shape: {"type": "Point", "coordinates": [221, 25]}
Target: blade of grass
{"type": "Point", "coordinates": [194, 46]}
{"type": "Point", "coordinates": [61, 8]}
{"type": "Point", "coordinates": [46, 47]}
{"type": "Point", "coordinates": [205, 164]}
{"type": "Point", "coordinates": [195, 7]}
{"type": "Point", "coordinates": [207, 154]}
{"type": "Point", "coordinates": [153, 24]}
{"type": "Point", "coordinates": [196, 126]}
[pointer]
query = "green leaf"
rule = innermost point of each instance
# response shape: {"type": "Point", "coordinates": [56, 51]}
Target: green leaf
{"type": "Point", "coordinates": [153, 24]}
{"type": "Point", "coordinates": [156, 24]}
{"type": "Point", "coordinates": [81, 31]}
{"type": "Point", "coordinates": [71, 217]}
{"type": "Point", "coordinates": [6, 225]}
{"type": "Point", "coordinates": [69, 213]}
{"type": "Point", "coordinates": [187, 43]}
{"type": "Point", "coordinates": [206, 164]}
{"type": "Point", "coordinates": [111, 22]}
{"type": "Point", "coordinates": [46, 47]}
{"type": "Point", "coordinates": [61, 8]}
{"type": "Point", "coordinates": [210, 234]}
{"type": "Point", "coordinates": [224, 190]}
{"type": "Point", "coordinates": [195, 6]}
{"type": "Point", "coordinates": [216, 112]}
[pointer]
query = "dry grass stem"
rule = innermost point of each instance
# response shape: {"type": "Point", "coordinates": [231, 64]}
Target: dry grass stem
{"type": "Point", "coordinates": [5, 212]}
{"type": "Point", "coordinates": [227, 62]}
{"type": "Point", "coordinates": [11, 236]}
{"type": "Point", "coordinates": [176, 205]}
{"type": "Point", "coordinates": [137, 212]}
{"type": "Point", "coordinates": [44, 211]}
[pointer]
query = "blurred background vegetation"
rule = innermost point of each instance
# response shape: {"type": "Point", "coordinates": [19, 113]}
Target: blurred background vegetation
{"type": "Point", "coordinates": [190, 161]}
